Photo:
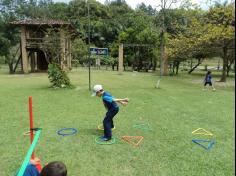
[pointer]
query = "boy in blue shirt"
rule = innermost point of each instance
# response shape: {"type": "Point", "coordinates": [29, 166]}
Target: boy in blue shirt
{"type": "Point", "coordinates": [112, 107]}
{"type": "Point", "coordinates": [208, 80]}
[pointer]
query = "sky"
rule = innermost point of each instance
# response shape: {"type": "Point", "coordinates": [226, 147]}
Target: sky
{"type": "Point", "coordinates": [154, 3]}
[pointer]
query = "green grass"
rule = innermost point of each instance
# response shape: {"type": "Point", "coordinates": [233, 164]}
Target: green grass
{"type": "Point", "coordinates": [173, 111]}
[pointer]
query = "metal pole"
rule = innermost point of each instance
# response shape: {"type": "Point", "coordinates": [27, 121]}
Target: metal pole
{"type": "Point", "coordinates": [162, 39]}
{"type": "Point", "coordinates": [162, 54]}
{"type": "Point", "coordinates": [89, 45]}
{"type": "Point", "coordinates": [31, 123]}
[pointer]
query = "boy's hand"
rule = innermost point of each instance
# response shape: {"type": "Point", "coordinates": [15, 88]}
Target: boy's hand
{"type": "Point", "coordinates": [126, 100]}
{"type": "Point", "coordinates": [35, 161]}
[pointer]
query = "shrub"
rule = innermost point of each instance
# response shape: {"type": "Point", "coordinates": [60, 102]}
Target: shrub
{"type": "Point", "coordinates": [58, 77]}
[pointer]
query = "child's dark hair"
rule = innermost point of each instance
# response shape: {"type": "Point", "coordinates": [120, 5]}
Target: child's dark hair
{"type": "Point", "coordinates": [55, 168]}
{"type": "Point", "coordinates": [209, 72]}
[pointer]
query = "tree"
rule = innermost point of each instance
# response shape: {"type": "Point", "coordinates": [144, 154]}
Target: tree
{"type": "Point", "coordinates": [52, 48]}
{"type": "Point", "coordinates": [221, 33]}
{"type": "Point", "coordinates": [140, 32]}
{"type": "Point", "coordinates": [149, 10]}
{"type": "Point", "coordinates": [190, 44]}
{"type": "Point", "coordinates": [161, 21]}
{"type": "Point", "coordinates": [207, 35]}
{"type": "Point", "coordinates": [79, 51]}
{"type": "Point", "coordinates": [8, 35]}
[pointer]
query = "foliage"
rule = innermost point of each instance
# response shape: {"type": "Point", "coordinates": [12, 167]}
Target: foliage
{"type": "Point", "coordinates": [209, 35]}
{"type": "Point", "coordinates": [52, 47]}
{"type": "Point", "coordinates": [58, 77]}
{"type": "Point", "coordinates": [109, 61]}
{"type": "Point", "coordinates": [149, 10]}
{"type": "Point", "coordinates": [8, 34]}
{"type": "Point", "coordinates": [140, 31]}
{"type": "Point", "coordinates": [79, 51]}
{"type": "Point", "coordinates": [185, 32]}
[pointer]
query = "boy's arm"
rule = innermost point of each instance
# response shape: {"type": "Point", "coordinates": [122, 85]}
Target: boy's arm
{"type": "Point", "coordinates": [123, 101]}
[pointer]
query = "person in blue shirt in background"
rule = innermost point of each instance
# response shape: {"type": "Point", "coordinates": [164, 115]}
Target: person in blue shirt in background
{"type": "Point", "coordinates": [112, 107]}
{"type": "Point", "coordinates": [208, 80]}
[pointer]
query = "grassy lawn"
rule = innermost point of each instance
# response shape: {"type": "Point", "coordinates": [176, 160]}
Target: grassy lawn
{"type": "Point", "coordinates": [173, 111]}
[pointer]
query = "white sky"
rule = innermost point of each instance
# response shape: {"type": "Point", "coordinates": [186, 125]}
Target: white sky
{"type": "Point", "coordinates": [154, 3]}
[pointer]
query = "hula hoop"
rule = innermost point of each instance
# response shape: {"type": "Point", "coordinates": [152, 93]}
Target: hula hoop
{"type": "Point", "coordinates": [98, 141]}
{"type": "Point", "coordinates": [62, 132]}
{"type": "Point", "coordinates": [27, 133]}
{"type": "Point", "coordinates": [100, 127]}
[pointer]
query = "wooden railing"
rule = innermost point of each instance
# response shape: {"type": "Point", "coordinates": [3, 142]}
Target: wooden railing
{"type": "Point", "coordinates": [35, 42]}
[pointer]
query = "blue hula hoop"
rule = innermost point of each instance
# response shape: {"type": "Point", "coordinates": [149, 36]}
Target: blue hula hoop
{"type": "Point", "coordinates": [62, 133]}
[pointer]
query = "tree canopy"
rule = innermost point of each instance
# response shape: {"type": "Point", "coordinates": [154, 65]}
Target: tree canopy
{"type": "Point", "coordinates": [190, 32]}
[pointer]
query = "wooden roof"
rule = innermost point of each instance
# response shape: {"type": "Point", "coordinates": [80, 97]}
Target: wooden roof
{"type": "Point", "coordinates": [44, 22]}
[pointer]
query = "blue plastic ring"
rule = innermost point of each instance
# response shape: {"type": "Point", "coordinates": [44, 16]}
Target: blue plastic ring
{"type": "Point", "coordinates": [73, 131]}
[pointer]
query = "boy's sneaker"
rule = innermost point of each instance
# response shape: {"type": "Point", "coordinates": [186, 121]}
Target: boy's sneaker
{"type": "Point", "coordinates": [103, 138]}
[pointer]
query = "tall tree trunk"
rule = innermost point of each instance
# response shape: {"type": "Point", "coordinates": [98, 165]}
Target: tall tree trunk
{"type": "Point", "coordinates": [154, 66]}
{"type": "Point", "coordinates": [228, 70]}
{"type": "Point", "coordinates": [165, 71]}
{"type": "Point", "coordinates": [162, 54]}
{"type": "Point", "coordinates": [199, 63]}
{"type": "Point", "coordinates": [10, 64]}
{"type": "Point", "coordinates": [11, 69]}
{"type": "Point", "coordinates": [230, 61]}
{"type": "Point", "coordinates": [177, 67]}
{"type": "Point", "coordinates": [234, 67]}
{"type": "Point", "coordinates": [173, 68]}
{"type": "Point", "coordinates": [223, 76]}
{"type": "Point", "coordinates": [191, 64]}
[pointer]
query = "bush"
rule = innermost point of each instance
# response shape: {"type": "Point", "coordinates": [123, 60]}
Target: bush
{"type": "Point", "coordinates": [58, 77]}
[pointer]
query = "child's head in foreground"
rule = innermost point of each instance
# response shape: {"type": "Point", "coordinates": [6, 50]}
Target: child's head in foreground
{"type": "Point", "coordinates": [55, 168]}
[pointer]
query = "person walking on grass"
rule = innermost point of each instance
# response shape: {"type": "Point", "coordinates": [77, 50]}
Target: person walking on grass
{"type": "Point", "coordinates": [208, 81]}
{"type": "Point", "coordinates": [112, 107]}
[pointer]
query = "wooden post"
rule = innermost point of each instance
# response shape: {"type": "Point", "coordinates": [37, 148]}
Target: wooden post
{"type": "Point", "coordinates": [23, 50]}
{"type": "Point", "coordinates": [32, 63]}
{"type": "Point", "coordinates": [66, 53]}
{"type": "Point", "coordinates": [165, 63]}
{"type": "Point", "coordinates": [31, 123]}
{"type": "Point", "coordinates": [69, 54]}
{"type": "Point", "coordinates": [121, 57]}
{"type": "Point", "coordinates": [63, 49]}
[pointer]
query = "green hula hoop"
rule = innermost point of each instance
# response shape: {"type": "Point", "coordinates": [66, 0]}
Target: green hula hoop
{"type": "Point", "coordinates": [100, 127]}
{"type": "Point", "coordinates": [98, 141]}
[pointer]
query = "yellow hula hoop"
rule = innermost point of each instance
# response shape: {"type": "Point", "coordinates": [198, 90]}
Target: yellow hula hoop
{"type": "Point", "coordinates": [100, 127]}
{"type": "Point", "coordinates": [27, 133]}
